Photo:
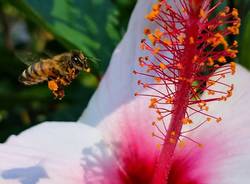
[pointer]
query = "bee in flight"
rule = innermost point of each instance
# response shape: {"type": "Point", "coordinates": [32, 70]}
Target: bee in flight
{"type": "Point", "coordinates": [59, 71]}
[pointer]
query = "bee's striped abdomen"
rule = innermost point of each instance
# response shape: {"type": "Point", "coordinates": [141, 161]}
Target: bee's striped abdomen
{"type": "Point", "coordinates": [35, 73]}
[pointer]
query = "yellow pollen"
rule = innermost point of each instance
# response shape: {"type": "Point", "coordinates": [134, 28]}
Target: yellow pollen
{"type": "Point", "coordinates": [156, 51]}
{"type": "Point", "coordinates": [222, 14]}
{"type": "Point", "coordinates": [195, 58]}
{"type": "Point", "coordinates": [208, 119]}
{"type": "Point", "coordinates": [210, 61]}
{"type": "Point", "coordinates": [158, 34]}
{"type": "Point", "coordinates": [167, 42]}
{"type": "Point", "coordinates": [202, 104]}
{"type": "Point", "coordinates": [191, 40]}
{"type": "Point", "coordinates": [152, 38]}
{"type": "Point", "coordinates": [205, 108]}
{"type": "Point", "coordinates": [233, 67]}
{"type": "Point", "coordinates": [156, 7]}
{"type": "Point", "coordinates": [223, 98]}
{"type": "Point", "coordinates": [235, 43]}
{"type": "Point", "coordinates": [162, 66]}
{"type": "Point", "coordinates": [152, 103]}
{"type": "Point", "coordinates": [234, 29]}
{"type": "Point", "coordinates": [186, 121]}
{"type": "Point", "coordinates": [157, 79]}
{"type": "Point", "coordinates": [202, 13]}
{"type": "Point", "coordinates": [211, 92]}
{"type": "Point", "coordinates": [235, 13]}
{"type": "Point", "coordinates": [170, 100]}
{"type": "Point", "coordinates": [229, 93]}
{"type": "Point", "coordinates": [52, 85]}
{"type": "Point", "coordinates": [210, 83]}
{"type": "Point", "coordinates": [222, 59]}
{"type": "Point", "coordinates": [218, 120]}
{"type": "Point", "coordinates": [147, 31]}
{"type": "Point", "coordinates": [154, 13]}
{"type": "Point", "coordinates": [181, 38]}
{"type": "Point", "coordinates": [217, 39]}
{"type": "Point", "coordinates": [232, 53]}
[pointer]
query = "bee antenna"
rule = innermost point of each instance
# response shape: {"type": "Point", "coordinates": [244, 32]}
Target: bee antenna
{"type": "Point", "coordinates": [94, 58]}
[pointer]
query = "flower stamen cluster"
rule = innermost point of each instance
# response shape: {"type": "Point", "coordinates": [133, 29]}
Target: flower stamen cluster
{"type": "Point", "coordinates": [187, 55]}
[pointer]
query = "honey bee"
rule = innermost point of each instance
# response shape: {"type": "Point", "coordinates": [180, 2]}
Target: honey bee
{"type": "Point", "coordinates": [58, 71]}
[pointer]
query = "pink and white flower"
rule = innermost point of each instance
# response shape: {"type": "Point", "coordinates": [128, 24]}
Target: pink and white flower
{"type": "Point", "coordinates": [112, 141]}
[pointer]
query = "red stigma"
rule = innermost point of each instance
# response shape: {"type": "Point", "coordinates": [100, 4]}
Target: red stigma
{"type": "Point", "coordinates": [186, 57]}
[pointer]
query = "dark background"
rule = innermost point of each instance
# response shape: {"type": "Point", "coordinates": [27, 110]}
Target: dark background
{"type": "Point", "coordinates": [55, 26]}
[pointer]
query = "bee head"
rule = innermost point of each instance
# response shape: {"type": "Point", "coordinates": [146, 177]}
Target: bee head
{"type": "Point", "coordinates": [79, 61]}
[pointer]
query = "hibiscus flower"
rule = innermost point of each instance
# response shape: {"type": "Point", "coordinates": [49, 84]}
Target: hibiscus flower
{"type": "Point", "coordinates": [112, 141]}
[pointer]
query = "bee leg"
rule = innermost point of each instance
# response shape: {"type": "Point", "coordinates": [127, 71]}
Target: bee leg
{"type": "Point", "coordinates": [59, 94]}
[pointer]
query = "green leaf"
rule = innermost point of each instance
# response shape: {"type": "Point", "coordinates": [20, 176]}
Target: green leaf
{"type": "Point", "coordinates": [90, 26]}
{"type": "Point", "coordinates": [244, 58]}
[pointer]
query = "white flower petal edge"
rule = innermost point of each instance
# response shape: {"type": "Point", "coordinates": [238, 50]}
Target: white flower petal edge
{"type": "Point", "coordinates": [225, 156]}
{"type": "Point", "coordinates": [119, 84]}
{"type": "Point", "coordinates": [47, 153]}
{"type": "Point", "coordinates": [235, 129]}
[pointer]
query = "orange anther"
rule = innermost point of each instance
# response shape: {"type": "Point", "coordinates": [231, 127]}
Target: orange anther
{"type": "Point", "coordinates": [210, 61]}
{"type": "Point", "coordinates": [202, 13]}
{"type": "Point", "coordinates": [157, 79]}
{"type": "Point", "coordinates": [186, 121]}
{"type": "Point", "coordinates": [153, 102]}
{"type": "Point", "coordinates": [235, 12]}
{"type": "Point", "coordinates": [167, 42]}
{"type": "Point", "coordinates": [147, 31]}
{"type": "Point", "coordinates": [173, 133]}
{"type": "Point", "coordinates": [218, 120]}
{"type": "Point", "coordinates": [156, 51]}
{"type": "Point", "coordinates": [191, 40]}
{"type": "Point", "coordinates": [162, 66]}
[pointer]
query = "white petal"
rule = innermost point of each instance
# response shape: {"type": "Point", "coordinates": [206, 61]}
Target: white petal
{"type": "Point", "coordinates": [48, 153]}
{"type": "Point", "coordinates": [119, 84]}
{"type": "Point", "coordinates": [225, 157]}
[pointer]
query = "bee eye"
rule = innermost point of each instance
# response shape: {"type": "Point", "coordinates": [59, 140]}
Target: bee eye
{"type": "Point", "coordinates": [76, 60]}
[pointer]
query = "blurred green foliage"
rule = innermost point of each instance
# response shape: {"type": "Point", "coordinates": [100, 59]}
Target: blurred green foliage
{"type": "Point", "coordinates": [55, 26]}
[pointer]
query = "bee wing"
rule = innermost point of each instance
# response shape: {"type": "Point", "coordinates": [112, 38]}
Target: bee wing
{"type": "Point", "coordinates": [30, 58]}
{"type": "Point", "coordinates": [27, 57]}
